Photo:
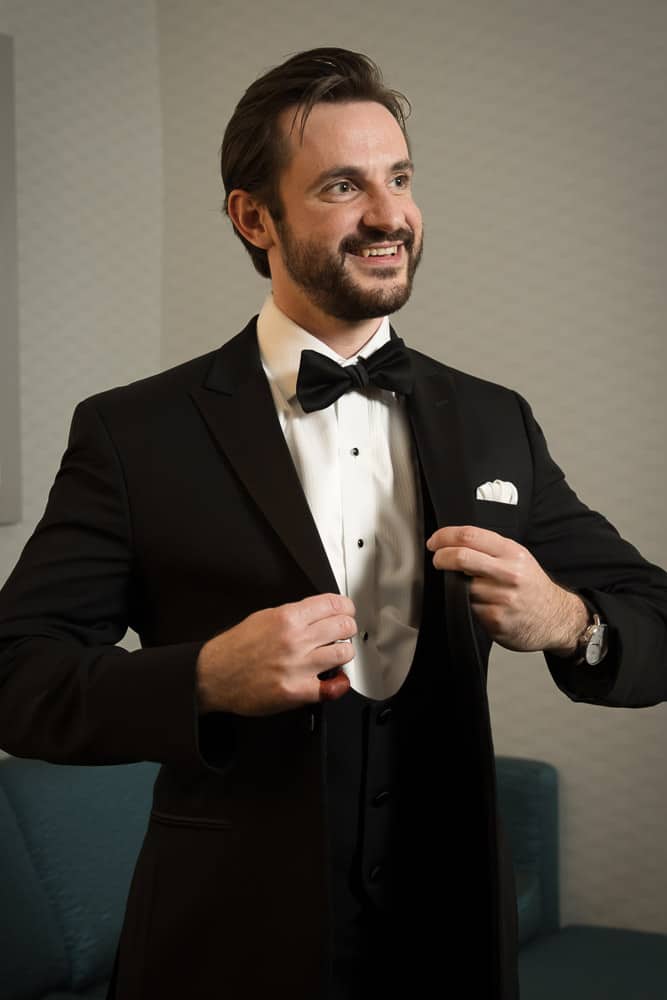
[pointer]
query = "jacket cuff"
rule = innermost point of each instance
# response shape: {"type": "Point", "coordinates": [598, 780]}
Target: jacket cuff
{"type": "Point", "coordinates": [581, 681]}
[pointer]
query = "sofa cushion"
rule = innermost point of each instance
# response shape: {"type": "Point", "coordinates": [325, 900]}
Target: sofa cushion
{"type": "Point", "coordinates": [82, 827]}
{"type": "Point", "coordinates": [32, 954]}
{"type": "Point", "coordinates": [594, 963]}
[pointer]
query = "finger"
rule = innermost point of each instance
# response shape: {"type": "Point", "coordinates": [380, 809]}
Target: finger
{"type": "Point", "coordinates": [334, 629]}
{"type": "Point", "coordinates": [473, 563]}
{"type": "Point", "coordinates": [330, 656]}
{"type": "Point", "coordinates": [319, 606]}
{"type": "Point", "coordinates": [469, 536]}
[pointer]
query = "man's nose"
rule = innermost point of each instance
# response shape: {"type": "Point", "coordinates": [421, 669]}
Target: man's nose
{"type": "Point", "coordinates": [384, 211]}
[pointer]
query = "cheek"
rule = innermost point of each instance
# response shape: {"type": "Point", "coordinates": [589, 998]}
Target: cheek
{"type": "Point", "coordinates": [414, 218]}
{"type": "Point", "coordinates": [322, 227]}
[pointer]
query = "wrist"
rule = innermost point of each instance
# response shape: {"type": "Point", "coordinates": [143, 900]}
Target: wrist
{"type": "Point", "coordinates": [205, 699]}
{"type": "Point", "coordinates": [573, 619]}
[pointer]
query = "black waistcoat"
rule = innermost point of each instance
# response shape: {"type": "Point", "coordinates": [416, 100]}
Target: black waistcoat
{"type": "Point", "coordinates": [392, 767]}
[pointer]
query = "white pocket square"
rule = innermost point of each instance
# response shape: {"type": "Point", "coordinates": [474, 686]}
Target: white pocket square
{"type": "Point", "coordinates": [499, 491]}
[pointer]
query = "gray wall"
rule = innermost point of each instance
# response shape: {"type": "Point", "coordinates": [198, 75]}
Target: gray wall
{"type": "Point", "coordinates": [89, 194]}
{"type": "Point", "coordinates": [539, 134]}
{"type": "Point", "coordinates": [10, 444]}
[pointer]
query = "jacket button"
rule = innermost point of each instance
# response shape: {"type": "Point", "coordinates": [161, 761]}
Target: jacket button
{"type": "Point", "coordinates": [376, 873]}
{"type": "Point", "coordinates": [383, 716]}
{"type": "Point", "coordinates": [381, 797]}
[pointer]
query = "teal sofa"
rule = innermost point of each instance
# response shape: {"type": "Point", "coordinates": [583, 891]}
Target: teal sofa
{"type": "Point", "coordinates": [575, 962]}
{"type": "Point", "coordinates": [69, 837]}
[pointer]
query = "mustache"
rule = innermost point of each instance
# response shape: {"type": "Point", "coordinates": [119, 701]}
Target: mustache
{"type": "Point", "coordinates": [353, 244]}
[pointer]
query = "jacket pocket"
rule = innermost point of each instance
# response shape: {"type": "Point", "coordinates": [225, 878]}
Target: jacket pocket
{"type": "Point", "coordinates": [199, 822]}
{"type": "Point", "coordinates": [496, 516]}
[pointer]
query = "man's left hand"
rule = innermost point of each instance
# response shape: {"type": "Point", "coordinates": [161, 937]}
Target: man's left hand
{"type": "Point", "coordinates": [517, 603]}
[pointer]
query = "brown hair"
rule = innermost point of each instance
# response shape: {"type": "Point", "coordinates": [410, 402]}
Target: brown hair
{"type": "Point", "coordinates": [253, 151]}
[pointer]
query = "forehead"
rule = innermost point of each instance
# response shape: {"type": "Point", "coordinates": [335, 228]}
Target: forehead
{"type": "Point", "coordinates": [363, 134]}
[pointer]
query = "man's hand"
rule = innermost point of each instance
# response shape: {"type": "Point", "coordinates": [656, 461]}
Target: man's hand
{"type": "Point", "coordinates": [269, 662]}
{"type": "Point", "coordinates": [518, 604]}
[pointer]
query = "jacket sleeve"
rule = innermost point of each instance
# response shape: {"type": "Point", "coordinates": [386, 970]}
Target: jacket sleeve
{"type": "Point", "coordinates": [582, 551]}
{"type": "Point", "coordinates": [68, 694]}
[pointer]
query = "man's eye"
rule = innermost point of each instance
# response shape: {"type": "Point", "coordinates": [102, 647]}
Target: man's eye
{"type": "Point", "coordinates": [402, 180]}
{"type": "Point", "coordinates": [341, 187]}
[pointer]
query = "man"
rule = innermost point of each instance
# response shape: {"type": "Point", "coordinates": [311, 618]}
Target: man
{"type": "Point", "coordinates": [275, 524]}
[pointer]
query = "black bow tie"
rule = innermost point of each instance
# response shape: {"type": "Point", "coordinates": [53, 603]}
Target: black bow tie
{"type": "Point", "coordinates": [321, 380]}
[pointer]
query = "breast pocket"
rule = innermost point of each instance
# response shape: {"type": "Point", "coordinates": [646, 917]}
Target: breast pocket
{"type": "Point", "coordinates": [496, 516]}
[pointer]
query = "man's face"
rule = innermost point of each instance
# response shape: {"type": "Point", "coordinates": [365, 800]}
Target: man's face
{"type": "Point", "coordinates": [350, 237]}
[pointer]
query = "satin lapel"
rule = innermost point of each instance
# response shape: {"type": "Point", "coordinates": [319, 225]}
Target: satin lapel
{"type": "Point", "coordinates": [434, 417]}
{"type": "Point", "coordinates": [236, 403]}
{"type": "Point", "coordinates": [438, 434]}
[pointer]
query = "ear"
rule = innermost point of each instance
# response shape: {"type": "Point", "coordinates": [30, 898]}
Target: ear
{"type": "Point", "coordinates": [251, 217]}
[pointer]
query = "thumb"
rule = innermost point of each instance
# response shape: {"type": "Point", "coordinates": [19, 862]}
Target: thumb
{"type": "Point", "coordinates": [334, 687]}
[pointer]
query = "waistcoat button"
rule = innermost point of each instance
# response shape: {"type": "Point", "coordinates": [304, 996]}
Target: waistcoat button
{"type": "Point", "coordinates": [376, 873]}
{"type": "Point", "coordinates": [383, 716]}
{"type": "Point", "coordinates": [381, 797]}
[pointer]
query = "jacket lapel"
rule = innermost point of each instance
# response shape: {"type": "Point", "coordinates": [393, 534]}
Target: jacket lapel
{"type": "Point", "coordinates": [438, 435]}
{"type": "Point", "coordinates": [236, 403]}
{"type": "Point", "coordinates": [436, 427]}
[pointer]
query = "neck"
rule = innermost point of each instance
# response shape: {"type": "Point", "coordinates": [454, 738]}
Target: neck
{"type": "Point", "coordinates": [346, 339]}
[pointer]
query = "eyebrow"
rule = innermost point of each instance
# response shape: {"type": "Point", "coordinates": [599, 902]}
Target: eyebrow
{"type": "Point", "coordinates": [354, 173]}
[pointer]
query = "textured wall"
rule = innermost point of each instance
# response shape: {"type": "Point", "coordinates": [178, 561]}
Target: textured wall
{"type": "Point", "coordinates": [10, 445]}
{"type": "Point", "coordinates": [540, 140]}
{"type": "Point", "coordinates": [89, 188]}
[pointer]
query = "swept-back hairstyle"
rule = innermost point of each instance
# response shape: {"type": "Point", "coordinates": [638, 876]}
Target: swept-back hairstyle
{"type": "Point", "coordinates": [254, 152]}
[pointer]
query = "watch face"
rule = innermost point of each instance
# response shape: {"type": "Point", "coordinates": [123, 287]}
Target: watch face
{"type": "Point", "coordinates": [595, 647]}
{"type": "Point", "coordinates": [593, 653]}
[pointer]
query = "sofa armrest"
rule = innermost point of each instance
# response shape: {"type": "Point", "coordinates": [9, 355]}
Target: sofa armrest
{"type": "Point", "coordinates": [528, 804]}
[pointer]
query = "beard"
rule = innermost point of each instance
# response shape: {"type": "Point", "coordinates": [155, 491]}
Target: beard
{"type": "Point", "coordinates": [322, 275]}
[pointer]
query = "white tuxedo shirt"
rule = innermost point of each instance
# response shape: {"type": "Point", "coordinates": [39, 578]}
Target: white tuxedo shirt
{"type": "Point", "coordinates": [356, 463]}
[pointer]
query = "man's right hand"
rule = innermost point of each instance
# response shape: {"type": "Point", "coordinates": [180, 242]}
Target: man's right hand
{"type": "Point", "coordinates": [270, 661]}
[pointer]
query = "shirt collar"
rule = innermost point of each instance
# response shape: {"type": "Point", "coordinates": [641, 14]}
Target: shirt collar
{"type": "Point", "coordinates": [281, 342]}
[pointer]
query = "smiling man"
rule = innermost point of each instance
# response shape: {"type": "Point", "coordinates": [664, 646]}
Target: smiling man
{"type": "Point", "coordinates": [317, 533]}
{"type": "Point", "coordinates": [346, 239]}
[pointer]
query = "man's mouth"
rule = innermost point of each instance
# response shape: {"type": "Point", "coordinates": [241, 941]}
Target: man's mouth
{"type": "Point", "coordinates": [388, 250]}
{"type": "Point", "coordinates": [378, 244]}
{"type": "Point", "coordinates": [379, 251]}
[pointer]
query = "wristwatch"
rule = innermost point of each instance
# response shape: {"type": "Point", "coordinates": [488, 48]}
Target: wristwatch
{"type": "Point", "coordinates": [592, 643]}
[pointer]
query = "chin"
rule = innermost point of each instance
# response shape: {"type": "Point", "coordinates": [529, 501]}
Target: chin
{"type": "Point", "coordinates": [371, 306]}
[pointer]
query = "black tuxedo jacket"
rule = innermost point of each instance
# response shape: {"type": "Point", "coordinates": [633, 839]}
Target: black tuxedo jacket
{"type": "Point", "coordinates": [177, 511]}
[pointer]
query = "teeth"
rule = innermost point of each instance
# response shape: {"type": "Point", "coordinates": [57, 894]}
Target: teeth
{"type": "Point", "coordinates": [380, 252]}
